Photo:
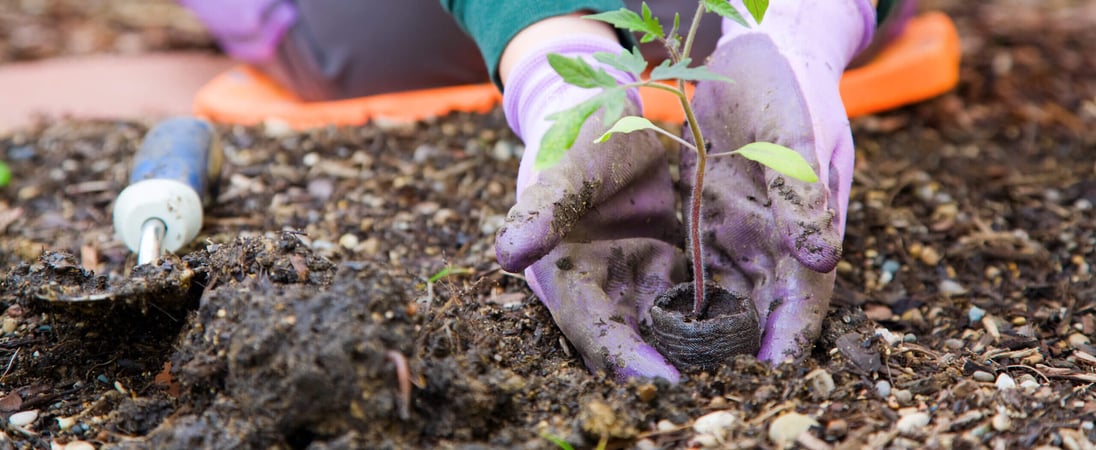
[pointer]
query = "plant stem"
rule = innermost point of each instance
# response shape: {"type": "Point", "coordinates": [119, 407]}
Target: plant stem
{"type": "Point", "coordinates": [688, 46]}
{"type": "Point", "coordinates": [698, 175]}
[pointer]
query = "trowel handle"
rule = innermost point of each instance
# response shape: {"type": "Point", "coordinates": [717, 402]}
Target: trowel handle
{"type": "Point", "coordinates": [183, 149]}
{"type": "Point", "coordinates": [173, 173]}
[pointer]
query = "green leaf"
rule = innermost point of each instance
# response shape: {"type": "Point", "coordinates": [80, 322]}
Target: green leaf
{"type": "Point", "coordinates": [757, 8]}
{"type": "Point", "coordinates": [626, 19]}
{"type": "Point", "coordinates": [682, 71]}
{"type": "Point", "coordinates": [578, 72]}
{"type": "Point", "coordinates": [725, 9]}
{"type": "Point", "coordinates": [627, 124]}
{"type": "Point", "coordinates": [561, 135]}
{"type": "Point", "coordinates": [631, 62]}
{"type": "Point", "coordinates": [779, 158]}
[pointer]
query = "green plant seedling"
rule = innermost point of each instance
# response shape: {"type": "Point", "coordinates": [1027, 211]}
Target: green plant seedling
{"type": "Point", "coordinates": [5, 174]}
{"type": "Point", "coordinates": [670, 75]}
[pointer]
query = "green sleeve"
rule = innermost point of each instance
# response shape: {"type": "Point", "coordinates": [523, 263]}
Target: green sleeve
{"type": "Point", "coordinates": [492, 23]}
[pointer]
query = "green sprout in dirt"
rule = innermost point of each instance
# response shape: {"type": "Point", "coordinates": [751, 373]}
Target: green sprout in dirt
{"type": "Point", "coordinates": [670, 75]}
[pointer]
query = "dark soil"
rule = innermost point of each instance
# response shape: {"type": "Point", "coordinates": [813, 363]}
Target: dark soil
{"type": "Point", "coordinates": [344, 292]}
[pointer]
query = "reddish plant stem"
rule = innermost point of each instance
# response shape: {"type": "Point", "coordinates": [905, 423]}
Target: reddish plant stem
{"type": "Point", "coordinates": [696, 204]}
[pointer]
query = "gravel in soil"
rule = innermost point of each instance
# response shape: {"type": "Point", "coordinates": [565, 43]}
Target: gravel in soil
{"type": "Point", "coordinates": [344, 292]}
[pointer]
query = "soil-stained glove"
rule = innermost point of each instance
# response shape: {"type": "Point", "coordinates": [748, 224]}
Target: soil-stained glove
{"type": "Point", "coordinates": [775, 238]}
{"type": "Point", "coordinates": [248, 30]}
{"type": "Point", "coordinates": [593, 232]}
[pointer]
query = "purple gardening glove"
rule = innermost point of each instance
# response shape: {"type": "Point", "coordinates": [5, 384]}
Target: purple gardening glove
{"type": "Point", "coordinates": [592, 233]}
{"type": "Point", "coordinates": [775, 238]}
{"type": "Point", "coordinates": [248, 30]}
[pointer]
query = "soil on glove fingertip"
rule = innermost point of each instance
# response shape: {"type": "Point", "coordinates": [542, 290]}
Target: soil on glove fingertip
{"type": "Point", "coordinates": [344, 291]}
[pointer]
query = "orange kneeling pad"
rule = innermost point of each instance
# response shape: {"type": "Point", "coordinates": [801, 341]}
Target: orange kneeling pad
{"type": "Point", "coordinates": [921, 63]}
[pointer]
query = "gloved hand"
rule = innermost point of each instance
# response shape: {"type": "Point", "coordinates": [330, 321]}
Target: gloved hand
{"type": "Point", "coordinates": [248, 30]}
{"type": "Point", "coordinates": [592, 233]}
{"type": "Point", "coordinates": [775, 238]}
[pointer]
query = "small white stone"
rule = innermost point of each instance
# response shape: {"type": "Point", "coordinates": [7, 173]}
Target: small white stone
{"type": "Point", "coordinates": [79, 445]}
{"type": "Point", "coordinates": [65, 423]}
{"type": "Point", "coordinates": [646, 444]}
{"type": "Point", "coordinates": [982, 376]}
{"type": "Point", "coordinates": [883, 388]}
{"type": "Point", "coordinates": [348, 241]}
{"type": "Point", "coordinates": [887, 336]}
{"type": "Point", "coordinates": [23, 418]}
{"type": "Point", "coordinates": [912, 423]}
{"type": "Point", "coordinates": [717, 424]}
{"type": "Point", "coordinates": [789, 426]}
{"type": "Point", "coordinates": [1001, 421]}
{"type": "Point", "coordinates": [1005, 382]}
{"type": "Point", "coordinates": [952, 287]}
{"type": "Point", "coordinates": [665, 426]}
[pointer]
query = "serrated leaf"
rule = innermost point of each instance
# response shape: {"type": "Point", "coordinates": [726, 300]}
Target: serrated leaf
{"type": "Point", "coordinates": [578, 72]}
{"type": "Point", "coordinates": [779, 158]}
{"type": "Point", "coordinates": [757, 8]}
{"type": "Point", "coordinates": [626, 19]}
{"type": "Point", "coordinates": [564, 130]}
{"type": "Point", "coordinates": [627, 124]}
{"type": "Point", "coordinates": [631, 62]}
{"type": "Point", "coordinates": [725, 9]}
{"type": "Point", "coordinates": [682, 71]}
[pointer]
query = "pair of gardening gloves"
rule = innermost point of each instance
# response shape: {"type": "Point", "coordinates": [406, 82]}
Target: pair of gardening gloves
{"type": "Point", "coordinates": [599, 237]}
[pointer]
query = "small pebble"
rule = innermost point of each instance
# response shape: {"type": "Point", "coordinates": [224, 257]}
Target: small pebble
{"type": "Point", "coordinates": [983, 376]}
{"type": "Point", "coordinates": [1078, 340]}
{"type": "Point", "coordinates": [975, 314]}
{"type": "Point", "coordinates": [904, 396]}
{"type": "Point", "coordinates": [646, 444]}
{"type": "Point", "coordinates": [717, 424]}
{"type": "Point", "coordinates": [79, 445]}
{"type": "Point", "coordinates": [348, 241]}
{"type": "Point", "coordinates": [10, 324]}
{"type": "Point", "coordinates": [821, 382]}
{"type": "Point", "coordinates": [891, 266]}
{"type": "Point", "coordinates": [887, 336]}
{"type": "Point", "coordinates": [65, 423]}
{"type": "Point", "coordinates": [952, 287]}
{"type": "Point", "coordinates": [878, 313]}
{"type": "Point", "coordinates": [913, 423]}
{"type": "Point", "coordinates": [784, 429]}
{"type": "Point", "coordinates": [929, 256]}
{"type": "Point", "coordinates": [666, 426]}
{"type": "Point", "coordinates": [1028, 384]}
{"type": "Point", "coordinates": [954, 344]}
{"type": "Point", "coordinates": [883, 388]}
{"type": "Point", "coordinates": [1001, 421]}
{"type": "Point", "coordinates": [909, 338]}
{"type": "Point", "coordinates": [1005, 382]}
{"type": "Point", "coordinates": [23, 418]}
